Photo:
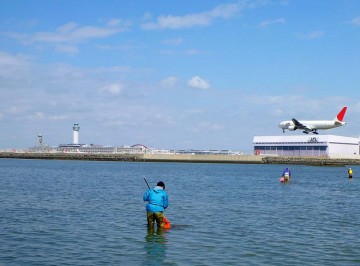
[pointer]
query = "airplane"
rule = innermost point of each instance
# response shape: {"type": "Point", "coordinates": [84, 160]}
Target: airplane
{"type": "Point", "coordinates": [313, 126]}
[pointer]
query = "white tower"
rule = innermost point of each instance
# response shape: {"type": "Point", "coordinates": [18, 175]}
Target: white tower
{"type": "Point", "coordinates": [40, 140]}
{"type": "Point", "coordinates": [76, 129]}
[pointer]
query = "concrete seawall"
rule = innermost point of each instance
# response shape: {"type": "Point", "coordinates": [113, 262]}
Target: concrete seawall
{"type": "Point", "coordinates": [188, 158]}
{"type": "Point", "coordinates": [72, 156]}
{"type": "Point", "coordinates": [312, 161]}
{"type": "Point", "coordinates": [209, 158]}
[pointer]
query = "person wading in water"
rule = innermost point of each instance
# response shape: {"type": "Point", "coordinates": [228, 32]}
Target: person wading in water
{"type": "Point", "coordinates": [158, 201]}
{"type": "Point", "coordinates": [286, 174]}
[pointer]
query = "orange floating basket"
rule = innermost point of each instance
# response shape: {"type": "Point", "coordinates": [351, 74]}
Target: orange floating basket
{"type": "Point", "coordinates": [167, 224]}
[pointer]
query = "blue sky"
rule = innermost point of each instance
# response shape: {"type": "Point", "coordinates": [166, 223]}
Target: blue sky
{"type": "Point", "coordinates": [175, 74]}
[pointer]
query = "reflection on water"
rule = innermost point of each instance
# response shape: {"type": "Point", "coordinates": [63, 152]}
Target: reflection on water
{"type": "Point", "coordinates": [155, 245]}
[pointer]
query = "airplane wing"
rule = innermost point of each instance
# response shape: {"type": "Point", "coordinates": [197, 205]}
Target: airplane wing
{"type": "Point", "coordinates": [301, 126]}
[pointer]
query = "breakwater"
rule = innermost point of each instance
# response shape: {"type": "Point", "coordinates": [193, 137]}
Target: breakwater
{"type": "Point", "coordinates": [203, 158]}
{"type": "Point", "coordinates": [72, 156]}
{"type": "Point", "coordinates": [143, 157]}
{"type": "Point", "coordinates": [313, 161]}
{"type": "Point", "coordinates": [189, 158]}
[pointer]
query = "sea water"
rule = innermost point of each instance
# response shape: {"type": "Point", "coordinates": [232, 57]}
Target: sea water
{"type": "Point", "coordinates": [92, 213]}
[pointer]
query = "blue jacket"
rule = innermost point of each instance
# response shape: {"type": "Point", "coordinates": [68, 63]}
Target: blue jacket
{"type": "Point", "coordinates": [157, 198]}
{"type": "Point", "coordinates": [286, 171]}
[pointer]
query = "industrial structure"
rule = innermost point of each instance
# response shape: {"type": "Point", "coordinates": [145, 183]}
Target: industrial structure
{"type": "Point", "coordinates": [96, 148]}
{"type": "Point", "coordinates": [76, 147]}
{"type": "Point", "coordinates": [306, 145]}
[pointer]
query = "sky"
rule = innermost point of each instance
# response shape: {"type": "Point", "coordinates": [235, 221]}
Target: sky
{"type": "Point", "coordinates": [175, 74]}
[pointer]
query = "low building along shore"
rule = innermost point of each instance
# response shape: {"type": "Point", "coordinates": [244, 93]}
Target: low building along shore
{"type": "Point", "coordinates": [330, 146]}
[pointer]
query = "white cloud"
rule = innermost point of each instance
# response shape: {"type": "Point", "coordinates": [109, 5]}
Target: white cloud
{"type": "Point", "coordinates": [212, 126]}
{"type": "Point", "coordinates": [199, 83]}
{"type": "Point", "coordinates": [66, 36]}
{"type": "Point", "coordinates": [72, 33]}
{"type": "Point", "coordinates": [315, 35]}
{"type": "Point", "coordinates": [113, 69]}
{"type": "Point", "coordinates": [311, 35]}
{"type": "Point", "coordinates": [16, 110]}
{"type": "Point", "coordinates": [161, 118]}
{"type": "Point", "coordinates": [192, 52]}
{"type": "Point", "coordinates": [70, 49]}
{"type": "Point", "coordinates": [12, 60]}
{"type": "Point", "coordinates": [66, 72]}
{"type": "Point", "coordinates": [58, 117]}
{"type": "Point", "coordinates": [37, 116]}
{"type": "Point", "coordinates": [147, 16]}
{"type": "Point", "coordinates": [169, 82]}
{"type": "Point", "coordinates": [113, 89]}
{"type": "Point", "coordinates": [355, 21]}
{"type": "Point", "coordinates": [181, 52]}
{"type": "Point", "coordinates": [196, 19]}
{"type": "Point", "coordinates": [113, 23]}
{"type": "Point", "coordinates": [175, 41]}
{"type": "Point", "coordinates": [266, 23]}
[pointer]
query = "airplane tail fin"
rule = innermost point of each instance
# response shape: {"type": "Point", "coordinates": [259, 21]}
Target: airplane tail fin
{"type": "Point", "coordinates": [341, 114]}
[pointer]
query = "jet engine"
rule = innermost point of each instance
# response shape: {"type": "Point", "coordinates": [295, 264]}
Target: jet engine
{"type": "Point", "coordinates": [292, 128]}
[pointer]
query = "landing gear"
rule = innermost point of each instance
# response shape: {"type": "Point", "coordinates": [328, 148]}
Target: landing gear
{"type": "Point", "coordinates": [305, 132]}
{"type": "Point", "coordinates": [315, 132]}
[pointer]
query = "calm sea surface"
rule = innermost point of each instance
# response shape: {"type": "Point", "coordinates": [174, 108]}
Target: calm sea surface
{"type": "Point", "coordinates": [92, 213]}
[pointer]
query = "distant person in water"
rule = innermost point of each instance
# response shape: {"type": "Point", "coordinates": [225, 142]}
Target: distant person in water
{"type": "Point", "coordinates": [286, 174]}
{"type": "Point", "coordinates": [157, 200]}
{"type": "Point", "coordinates": [350, 172]}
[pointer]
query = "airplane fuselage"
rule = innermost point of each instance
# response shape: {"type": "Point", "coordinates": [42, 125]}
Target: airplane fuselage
{"type": "Point", "coordinates": [314, 125]}
{"type": "Point", "coordinates": [320, 124]}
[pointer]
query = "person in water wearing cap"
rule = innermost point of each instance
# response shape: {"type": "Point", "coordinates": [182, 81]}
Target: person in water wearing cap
{"type": "Point", "coordinates": [157, 202]}
{"type": "Point", "coordinates": [350, 172]}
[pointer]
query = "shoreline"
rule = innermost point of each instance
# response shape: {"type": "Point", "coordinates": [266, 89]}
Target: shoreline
{"type": "Point", "coordinates": [186, 158]}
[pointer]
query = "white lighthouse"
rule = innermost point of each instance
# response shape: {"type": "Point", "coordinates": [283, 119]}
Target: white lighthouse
{"type": "Point", "coordinates": [76, 129]}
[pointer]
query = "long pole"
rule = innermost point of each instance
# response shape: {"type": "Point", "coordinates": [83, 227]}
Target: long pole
{"type": "Point", "coordinates": [146, 183]}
